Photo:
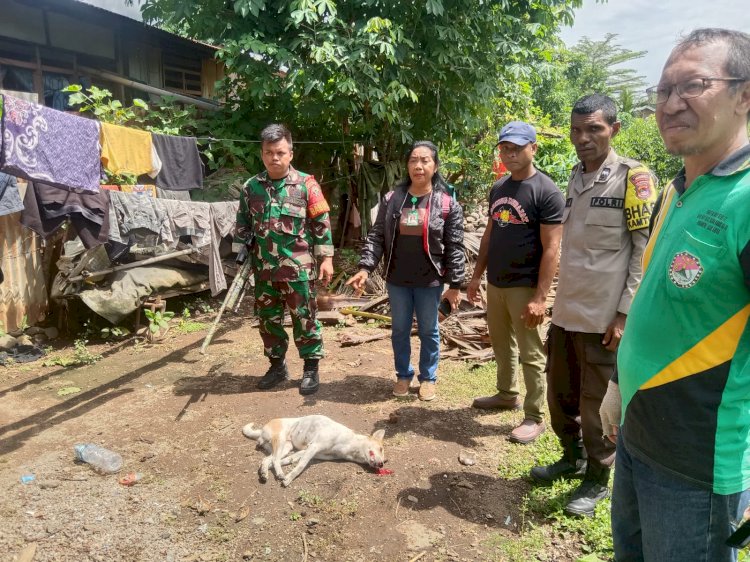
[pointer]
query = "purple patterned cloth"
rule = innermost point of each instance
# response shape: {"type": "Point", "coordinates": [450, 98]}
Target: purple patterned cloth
{"type": "Point", "coordinates": [39, 143]}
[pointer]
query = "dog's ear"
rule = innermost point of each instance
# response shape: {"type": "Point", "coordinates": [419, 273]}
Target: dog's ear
{"type": "Point", "coordinates": [378, 435]}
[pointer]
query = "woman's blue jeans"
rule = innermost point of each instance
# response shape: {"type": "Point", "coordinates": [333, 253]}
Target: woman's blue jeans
{"type": "Point", "coordinates": [405, 302]}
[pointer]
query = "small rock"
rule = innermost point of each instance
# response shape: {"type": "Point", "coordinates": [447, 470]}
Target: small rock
{"type": "Point", "coordinates": [412, 499]}
{"type": "Point", "coordinates": [49, 484]}
{"type": "Point", "coordinates": [39, 338]}
{"type": "Point", "coordinates": [34, 330]}
{"type": "Point", "coordinates": [467, 458]}
{"type": "Point", "coordinates": [465, 484]}
{"type": "Point", "coordinates": [7, 342]}
{"type": "Point", "coordinates": [267, 551]}
{"type": "Point", "coordinates": [247, 555]}
{"type": "Point", "coordinates": [203, 528]}
{"type": "Point", "coordinates": [51, 333]}
{"type": "Point", "coordinates": [312, 522]}
{"type": "Point", "coordinates": [24, 340]}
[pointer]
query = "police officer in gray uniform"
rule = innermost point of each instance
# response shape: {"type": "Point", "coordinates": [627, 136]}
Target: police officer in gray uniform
{"type": "Point", "coordinates": [605, 229]}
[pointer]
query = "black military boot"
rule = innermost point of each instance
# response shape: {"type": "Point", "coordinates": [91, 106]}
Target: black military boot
{"type": "Point", "coordinates": [275, 374]}
{"type": "Point", "coordinates": [310, 381]}
{"type": "Point", "coordinates": [592, 490]}
{"type": "Point", "coordinates": [572, 463]}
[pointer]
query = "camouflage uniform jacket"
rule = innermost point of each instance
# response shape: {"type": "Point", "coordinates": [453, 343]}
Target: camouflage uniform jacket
{"type": "Point", "coordinates": [289, 224]}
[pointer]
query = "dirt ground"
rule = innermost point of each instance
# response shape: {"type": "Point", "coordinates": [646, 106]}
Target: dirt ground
{"type": "Point", "coordinates": [176, 417]}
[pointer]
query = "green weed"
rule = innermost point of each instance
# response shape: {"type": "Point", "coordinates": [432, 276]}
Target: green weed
{"type": "Point", "coordinates": [80, 356]}
{"type": "Point", "coordinates": [515, 548]}
{"type": "Point", "coordinates": [189, 326]}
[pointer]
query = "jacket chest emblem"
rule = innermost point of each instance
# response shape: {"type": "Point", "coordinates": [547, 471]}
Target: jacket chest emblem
{"type": "Point", "coordinates": [685, 270]}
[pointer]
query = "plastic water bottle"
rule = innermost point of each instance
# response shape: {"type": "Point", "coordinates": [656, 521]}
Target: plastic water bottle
{"type": "Point", "coordinates": [102, 460]}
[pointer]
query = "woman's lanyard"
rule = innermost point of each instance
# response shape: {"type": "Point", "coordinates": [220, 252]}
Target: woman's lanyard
{"type": "Point", "coordinates": [412, 216]}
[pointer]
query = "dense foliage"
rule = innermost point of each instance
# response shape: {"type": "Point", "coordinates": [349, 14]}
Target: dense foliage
{"type": "Point", "coordinates": [380, 72]}
{"type": "Point", "coordinates": [640, 139]}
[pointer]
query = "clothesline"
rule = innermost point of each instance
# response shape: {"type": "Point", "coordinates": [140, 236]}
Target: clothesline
{"type": "Point", "coordinates": [214, 139]}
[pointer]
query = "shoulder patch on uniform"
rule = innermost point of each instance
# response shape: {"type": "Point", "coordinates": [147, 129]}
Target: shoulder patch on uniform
{"type": "Point", "coordinates": [316, 202]}
{"type": "Point", "coordinates": [640, 196]}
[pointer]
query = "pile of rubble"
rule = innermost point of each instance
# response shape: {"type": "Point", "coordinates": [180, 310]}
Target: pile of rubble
{"type": "Point", "coordinates": [464, 333]}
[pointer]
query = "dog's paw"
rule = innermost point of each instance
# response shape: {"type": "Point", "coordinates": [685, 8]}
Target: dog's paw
{"type": "Point", "coordinates": [263, 476]}
{"type": "Point", "coordinates": [286, 481]}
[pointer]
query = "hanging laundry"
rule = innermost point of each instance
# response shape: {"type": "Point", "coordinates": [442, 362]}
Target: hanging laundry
{"type": "Point", "coordinates": [188, 218]}
{"type": "Point", "coordinates": [128, 151]}
{"type": "Point", "coordinates": [172, 194]}
{"type": "Point", "coordinates": [140, 220]}
{"type": "Point", "coordinates": [207, 224]}
{"type": "Point", "coordinates": [47, 207]}
{"type": "Point", "coordinates": [10, 199]}
{"type": "Point", "coordinates": [39, 143]}
{"type": "Point", "coordinates": [223, 223]}
{"type": "Point", "coordinates": [140, 189]}
{"type": "Point", "coordinates": [182, 168]}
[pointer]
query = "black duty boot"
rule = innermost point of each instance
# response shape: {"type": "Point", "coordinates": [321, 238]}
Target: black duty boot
{"type": "Point", "coordinates": [275, 374]}
{"type": "Point", "coordinates": [310, 381]}
{"type": "Point", "coordinates": [592, 490]}
{"type": "Point", "coordinates": [572, 463]}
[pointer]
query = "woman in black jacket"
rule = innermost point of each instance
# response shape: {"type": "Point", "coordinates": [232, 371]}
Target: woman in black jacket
{"type": "Point", "coordinates": [420, 234]}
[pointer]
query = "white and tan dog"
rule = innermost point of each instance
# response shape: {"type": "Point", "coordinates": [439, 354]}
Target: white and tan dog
{"type": "Point", "coordinates": [302, 439]}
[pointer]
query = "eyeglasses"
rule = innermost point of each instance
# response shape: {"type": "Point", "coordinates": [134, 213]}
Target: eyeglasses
{"type": "Point", "coordinates": [685, 90]}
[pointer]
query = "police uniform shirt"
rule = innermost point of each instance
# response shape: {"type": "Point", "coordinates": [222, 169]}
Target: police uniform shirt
{"type": "Point", "coordinates": [604, 234]}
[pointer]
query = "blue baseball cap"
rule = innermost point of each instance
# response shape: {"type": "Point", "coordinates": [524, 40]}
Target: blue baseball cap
{"type": "Point", "coordinates": [518, 133]}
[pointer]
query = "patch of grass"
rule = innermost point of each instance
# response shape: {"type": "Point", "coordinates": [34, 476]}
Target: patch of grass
{"type": "Point", "coordinates": [517, 464]}
{"type": "Point", "coordinates": [308, 499]}
{"type": "Point", "coordinates": [295, 516]}
{"type": "Point", "coordinates": [220, 534]}
{"type": "Point", "coordinates": [219, 491]}
{"type": "Point", "coordinates": [514, 548]}
{"type": "Point", "coordinates": [594, 532]}
{"type": "Point", "coordinates": [332, 507]}
{"type": "Point", "coordinates": [189, 326]}
{"type": "Point", "coordinates": [461, 382]}
{"type": "Point", "coordinates": [81, 356]}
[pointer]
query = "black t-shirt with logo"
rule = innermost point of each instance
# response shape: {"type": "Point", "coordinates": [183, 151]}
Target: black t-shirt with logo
{"type": "Point", "coordinates": [410, 266]}
{"type": "Point", "coordinates": [518, 209]}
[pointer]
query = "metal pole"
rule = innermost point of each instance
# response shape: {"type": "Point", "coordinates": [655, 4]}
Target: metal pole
{"type": "Point", "coordinates": [150, 89]}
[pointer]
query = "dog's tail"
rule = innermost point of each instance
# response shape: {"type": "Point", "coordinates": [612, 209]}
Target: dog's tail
{"type": "Point", "coordinates": [251, 431]}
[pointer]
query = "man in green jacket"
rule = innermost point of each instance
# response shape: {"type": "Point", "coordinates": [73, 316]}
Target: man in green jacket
{"type": "Point", "coordinates": [683, 367]}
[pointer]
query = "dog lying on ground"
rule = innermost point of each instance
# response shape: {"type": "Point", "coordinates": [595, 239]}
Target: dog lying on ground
{"type": "Point", "coordinates": [290, 440]}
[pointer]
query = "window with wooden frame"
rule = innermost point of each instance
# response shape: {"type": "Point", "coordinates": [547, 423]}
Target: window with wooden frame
{"type": "Point", "coordinates": [182, 74]}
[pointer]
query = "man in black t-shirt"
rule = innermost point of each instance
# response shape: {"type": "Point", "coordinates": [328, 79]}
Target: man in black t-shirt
{"type": "Point", "coordinates": [520, 251]}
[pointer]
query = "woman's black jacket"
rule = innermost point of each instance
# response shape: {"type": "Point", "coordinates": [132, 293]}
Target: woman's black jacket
{"type": "Point", "coordinates": [444, 243]}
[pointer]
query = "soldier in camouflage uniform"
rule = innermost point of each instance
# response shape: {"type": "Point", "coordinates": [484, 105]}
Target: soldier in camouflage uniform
{"type": "Point", "coordinates": [283, 221]}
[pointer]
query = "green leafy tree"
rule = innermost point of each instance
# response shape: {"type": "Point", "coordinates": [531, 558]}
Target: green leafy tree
{"type": "Point", "coordinates": [380, 72]}
{"type": "Point", "coordinates": [641, 140]}
{"type": "Point", "coordinates": [589, 66]}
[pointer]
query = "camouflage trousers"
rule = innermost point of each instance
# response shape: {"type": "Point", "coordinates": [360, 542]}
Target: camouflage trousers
{"type": "Point", "coordinates": [271, 297]}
